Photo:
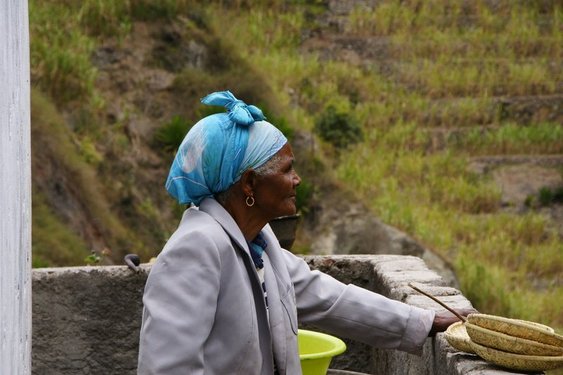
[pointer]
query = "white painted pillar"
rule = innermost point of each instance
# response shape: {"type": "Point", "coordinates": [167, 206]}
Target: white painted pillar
{"type": "Point", "coordinates": [15, 190]}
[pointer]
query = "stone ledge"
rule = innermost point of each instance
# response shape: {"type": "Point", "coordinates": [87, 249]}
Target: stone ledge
{"type": "Point", "coordinates": [87, 319]}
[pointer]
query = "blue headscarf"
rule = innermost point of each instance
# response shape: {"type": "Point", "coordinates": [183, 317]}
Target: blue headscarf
{"type": "Point", "coordinates": [219, 148]}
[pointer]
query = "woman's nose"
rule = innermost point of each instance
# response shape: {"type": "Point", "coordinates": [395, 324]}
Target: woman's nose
{"type": "Point", "coordinates": [296, 179]}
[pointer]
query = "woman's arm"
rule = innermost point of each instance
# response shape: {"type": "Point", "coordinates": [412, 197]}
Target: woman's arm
{"type": "Point", "coordinates": [354, 312]}
{"type": "Point", "coordinates": [180, 300]}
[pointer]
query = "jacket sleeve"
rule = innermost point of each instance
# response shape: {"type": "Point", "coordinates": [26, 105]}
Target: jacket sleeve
{"type": "Point", "coordinates": [356, 313]}
{"type": "Point", "coordinates": [180, 300]}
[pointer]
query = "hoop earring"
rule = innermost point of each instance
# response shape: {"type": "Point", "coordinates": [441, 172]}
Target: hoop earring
{"type": "Point", "coordinates": [249, 201]}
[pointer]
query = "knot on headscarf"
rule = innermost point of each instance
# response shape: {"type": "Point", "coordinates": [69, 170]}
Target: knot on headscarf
{"type": "Point", "coordinates": [219, 148]}
{"type": "Point", "coordinates": [239, 112]}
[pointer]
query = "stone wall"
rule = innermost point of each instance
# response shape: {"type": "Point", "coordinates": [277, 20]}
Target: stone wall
{"type": "Point", "coordinates": [86, 319]}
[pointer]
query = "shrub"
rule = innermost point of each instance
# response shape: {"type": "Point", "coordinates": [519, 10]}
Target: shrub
{"type": "Point", "coordinates": [546, 196]}
{"type": "Point", "coordinates": [338, 128]}
{"type": "Point", "coordinates": [171, 134]}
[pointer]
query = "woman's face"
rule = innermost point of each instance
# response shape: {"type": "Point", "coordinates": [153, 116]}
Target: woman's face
{"type": "Point", "coordinates": [276, 189]}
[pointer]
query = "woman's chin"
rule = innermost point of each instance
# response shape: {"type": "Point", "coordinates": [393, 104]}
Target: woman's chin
{"type": "Point", "coordinates": [291, 210]}
{"type": "Point", "coordinates": [292, 206]}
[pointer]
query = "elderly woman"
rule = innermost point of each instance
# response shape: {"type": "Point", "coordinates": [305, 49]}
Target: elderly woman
{"type": "Point", "coordinates": [223, 297]}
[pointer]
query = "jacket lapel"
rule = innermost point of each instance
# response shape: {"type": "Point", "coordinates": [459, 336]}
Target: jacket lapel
{"type": "Point", "coordinates": [278, 284]}
{"type": "Point", "coordinates": [215, 210]}
{"type": "Point", "coordinates": [275, 310]}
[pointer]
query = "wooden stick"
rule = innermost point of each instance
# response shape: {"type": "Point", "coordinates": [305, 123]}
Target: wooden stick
{"type": "Point", "coordinates": [439, 302]}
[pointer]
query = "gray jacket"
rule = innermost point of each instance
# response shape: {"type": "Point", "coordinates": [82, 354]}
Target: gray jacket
{"type": "Point", "coordinates": [205, 313]}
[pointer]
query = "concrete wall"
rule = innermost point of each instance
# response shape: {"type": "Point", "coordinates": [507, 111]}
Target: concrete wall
{"type": "Point", "coordinates": [86, 319]}
{"type": "Point", "coordinates": [15, 190]}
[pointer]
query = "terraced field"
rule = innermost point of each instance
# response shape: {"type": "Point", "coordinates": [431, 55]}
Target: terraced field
{"type": "Point", "coordinates": [460, 106]}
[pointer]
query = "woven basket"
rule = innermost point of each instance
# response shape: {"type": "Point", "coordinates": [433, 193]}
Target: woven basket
{"type": "Point", "coordinates": [537, 325]}
{"type": "Point", "coordinates": [457, 336]}
{"type": "Point", "coordinates": [517, 361]}
{"type": "Point", "coordinates": [512, 344]}
{"type": "Point", "coordinates": [517, 328]}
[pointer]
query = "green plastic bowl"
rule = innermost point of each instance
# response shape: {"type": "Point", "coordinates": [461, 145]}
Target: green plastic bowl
{"type": "Point", "coordinates": [316, 351]}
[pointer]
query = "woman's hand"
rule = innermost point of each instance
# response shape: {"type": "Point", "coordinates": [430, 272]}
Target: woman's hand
{"type": "Point", "coordinates": [444, 319]}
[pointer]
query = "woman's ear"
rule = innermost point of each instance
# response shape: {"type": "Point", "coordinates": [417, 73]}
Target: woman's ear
{"type": "Point", "coordinates": [248, 182]}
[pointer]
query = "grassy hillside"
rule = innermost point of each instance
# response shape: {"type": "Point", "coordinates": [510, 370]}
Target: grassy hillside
{"type": "Point", "coordinates": [444, 66]}
{"type": "Point", "coordinates": [100, 158]}
{"type": "Point", "coordinates": [417, 90]}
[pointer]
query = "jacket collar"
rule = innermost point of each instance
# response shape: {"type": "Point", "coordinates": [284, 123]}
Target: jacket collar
{"type": "Point", "coordinates": [218, 212]}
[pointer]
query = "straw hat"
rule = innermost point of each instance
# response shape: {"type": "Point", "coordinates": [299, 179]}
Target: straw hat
{"type": "Point", "coordinates": [512, 344]}
{"type": "Point", "coordinates": [517, 361]}
{"type": "Point", "coordinates": [517, 328]}
{"type": "Point", "coordinates": [457, 336]}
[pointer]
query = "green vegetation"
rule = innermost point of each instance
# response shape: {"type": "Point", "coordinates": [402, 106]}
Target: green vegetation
{"type": "Point", "coordinates": [511, 138]}
{"type": "Point", "coordinates": [58, 160]}
{"type": "Point", "coordinates": [338, 128]}
{"type": "Point", "coordinates": [446, 63]}
{"type": "Point", "coordinates": [119, 205]}
{"type": "Point", "coordinates": [60, 53]}
{"type": "Point", "coordinates": [442, 65]}
{"type": "Point", "coordinates": [171, 134]}
{"type": "Point", "coordinates": [547, 196]}
{"type": "Point", "coordinates": [50, 233]}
